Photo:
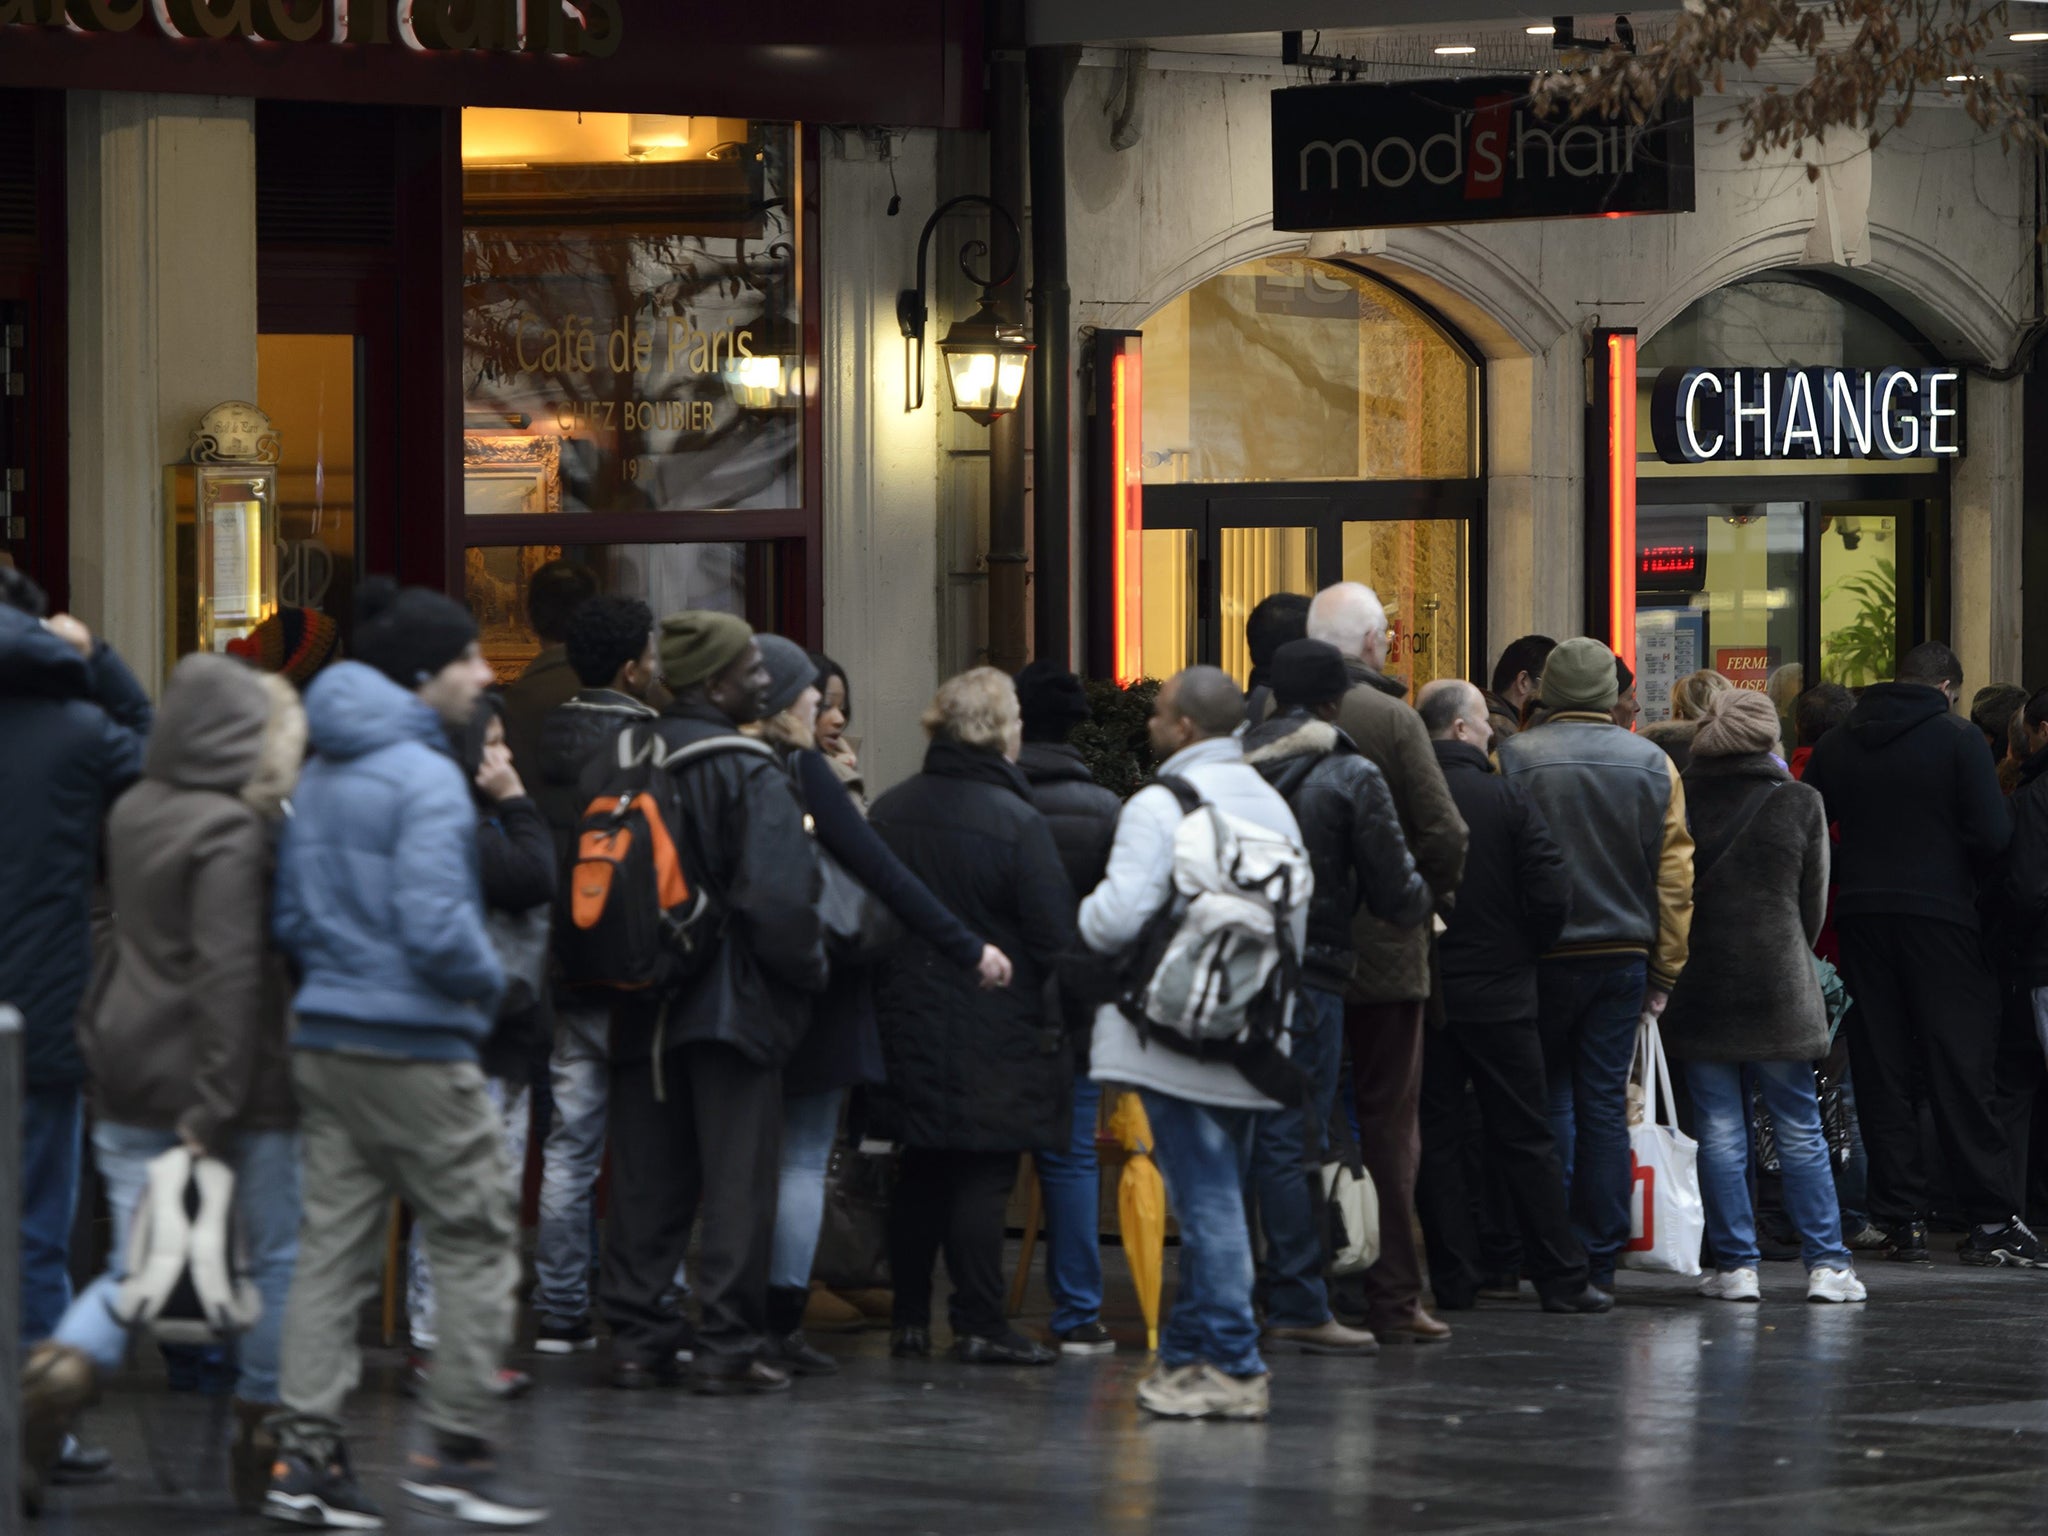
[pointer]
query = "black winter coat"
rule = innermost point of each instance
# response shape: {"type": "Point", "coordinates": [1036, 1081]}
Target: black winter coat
{"type": "Point", "coordinates": [1081, 813]}
{"type": "Point", "coordinates": [1352, 833]}
{"type": "Point", "coordinates": [71, 740]}
{"type": "Point", "coordinates": [974, 1070]}
{"type": "Point", "coordinates": [1513, 902]}
{"type": "Point", "coordinates": [515, 856]}
{"type": "Point", "coordinates": [2026, 873]}
{"type": "Point", "coordinates": [1760, 895]}
{"type": "Point", "coordinates": [1915, 798]}
{"type": "Point", "coordinates": [746, 829]}
{"type": "Point", "coordinates": [571, 737]}
{"type": "Point", "coordinates": [843, 1046]}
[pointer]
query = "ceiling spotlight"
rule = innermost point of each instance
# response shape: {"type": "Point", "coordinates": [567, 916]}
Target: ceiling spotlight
{"type": "Point", "coordinates": [1459, 48]}
{"type": "Point", "coordinates": [1541, 31]}
{"type": "Point", "coordinates": [2029, 37]}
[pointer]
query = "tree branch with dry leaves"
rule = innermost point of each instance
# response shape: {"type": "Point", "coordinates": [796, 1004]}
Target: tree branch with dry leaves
{"type": "Point", "coordinates": [1867, 62]}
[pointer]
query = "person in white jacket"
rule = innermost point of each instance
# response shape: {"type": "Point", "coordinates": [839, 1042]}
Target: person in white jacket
{"type": "Point", "coordinates": [1203, 1113]}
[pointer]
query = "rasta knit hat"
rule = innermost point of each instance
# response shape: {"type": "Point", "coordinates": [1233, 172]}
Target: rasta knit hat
{"type": "Point", "coordinates": [409, 633]}
{"type": "Point", "coordinates": [698, 644]}
{"type": "Point", "coordinates": [1309, 672]}
{"type": "Point", "coordinates": [295, 643]}
{"type": "Point", "coordinates": [1052, 700]}
{"type": "Point", "coordinates": [790, 670]}
{"type": "Point", "coordinates": [1738, 721]}
{"type": "Point", "coordinates": [1580, 676]}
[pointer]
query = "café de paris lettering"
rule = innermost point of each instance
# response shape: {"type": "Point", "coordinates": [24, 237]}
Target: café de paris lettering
{"type": "Point", "coordinates": [586, 29]}
{"type": "Point", "coordinates": [1733, 415]}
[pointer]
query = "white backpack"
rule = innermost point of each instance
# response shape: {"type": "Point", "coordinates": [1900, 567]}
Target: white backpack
{"type": "Point", "coordinates": [187, 1279]}
{"type": "Point", "coordinates": [1215, 971]}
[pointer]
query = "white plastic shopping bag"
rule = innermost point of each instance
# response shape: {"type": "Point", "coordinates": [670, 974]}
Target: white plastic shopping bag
{"type": "Point", "coordinates": [1666, 1217]}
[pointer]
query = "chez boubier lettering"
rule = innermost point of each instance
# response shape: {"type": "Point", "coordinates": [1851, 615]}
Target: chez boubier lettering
{"type": "Point", "coordinates": [586, 29]}
{"type": "Point", "coordinates": [1711, 415]}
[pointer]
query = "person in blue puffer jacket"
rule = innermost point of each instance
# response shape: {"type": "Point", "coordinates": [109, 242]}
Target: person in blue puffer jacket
{"type": "Point", "coordinates": [380, 905]}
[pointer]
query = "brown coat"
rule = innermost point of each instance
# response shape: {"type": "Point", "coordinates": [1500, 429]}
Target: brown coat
{"type": "Point", "coordinates": [1393, 963]}
{"type": "Point", "coordinates": [185, 1029]}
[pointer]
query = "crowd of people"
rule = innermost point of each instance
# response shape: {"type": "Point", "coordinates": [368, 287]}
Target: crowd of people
{"type": "Point", "coordinates": [334, 889]}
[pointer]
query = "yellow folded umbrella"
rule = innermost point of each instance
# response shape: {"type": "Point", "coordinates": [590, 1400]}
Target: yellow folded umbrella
{"type": "Point", "coordinates": [1141, 1210]}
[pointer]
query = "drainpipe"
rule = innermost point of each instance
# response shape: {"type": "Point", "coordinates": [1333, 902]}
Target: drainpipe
{"type": "Point", "coordinates": [1050, 70]}
{"type": "Point", "coordinates": [1007, 557]}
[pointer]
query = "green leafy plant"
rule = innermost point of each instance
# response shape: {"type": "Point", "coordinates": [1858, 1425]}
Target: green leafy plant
{"type": "Point", "coordinates": [1866, 649]}
{"type": "Point", "coordinates": [1115, 742]}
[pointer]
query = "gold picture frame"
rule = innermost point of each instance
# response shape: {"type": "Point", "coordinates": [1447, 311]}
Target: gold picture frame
{"type": "Point", "coordinates": [517, 474]}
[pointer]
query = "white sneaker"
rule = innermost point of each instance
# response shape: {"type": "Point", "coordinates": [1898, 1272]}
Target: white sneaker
{"type": "Point", "coordinates": [1835, 1285]}
{"type": "Point", "coordinates": [1731, 1285]}
{"type": "Point", "coordinates": [1200, 1391]}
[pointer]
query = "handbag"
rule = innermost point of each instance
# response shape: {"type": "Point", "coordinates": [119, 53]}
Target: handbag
{"type": "Point", "coordinates": [1351, 1204]}
{"type": "Point", "coordinates": [1667, 1219]}
{"type": "Point", "coordinates": [853, 1239]}
{"type": "Point", "coordinates": [859, 927]}
{"type": "Point", "coordinates": [523, 941]}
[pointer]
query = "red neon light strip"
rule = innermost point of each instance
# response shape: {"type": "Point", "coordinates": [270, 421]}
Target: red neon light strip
{"type": "Point", "coordinates": [1621, 494]}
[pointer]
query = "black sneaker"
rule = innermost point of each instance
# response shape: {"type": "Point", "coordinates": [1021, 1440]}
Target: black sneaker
{"type": "Point", "coordinates": [1010, 1348]}
{"type": "Point", "coordinates": [328, 1497]}
{"type": "Point", "coordinates": [911, 1344]}
{"type": "Point", "coordinates": [1906, 1241]}
{"type": "Point", "coordinates": [799, 1356]}
{"type": "Point", "coordinates": [564, 1338]}
{"type": "Point", "coordinates": [467, 1488]}
{"type": "Point", "coordinates": [78, 1462]}
{"type": "Point", "coordinates": [1088, 1339]}
{"type": "Point", "coordinates": [2013, 1244]}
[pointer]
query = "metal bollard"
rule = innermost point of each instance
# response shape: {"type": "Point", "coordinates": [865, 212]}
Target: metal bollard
{"type": "Point", "coordinates": [10, 1271]}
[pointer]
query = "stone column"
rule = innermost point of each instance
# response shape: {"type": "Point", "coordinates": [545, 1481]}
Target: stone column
{"type": "Point", "coordinates": [1985, 521]}
{"type": "Point", "coordinates": [881, 516]}
{"type": "Point", "coordinates": [162, 267]}
{"type": "Point", "coordinates": [1535, 497]}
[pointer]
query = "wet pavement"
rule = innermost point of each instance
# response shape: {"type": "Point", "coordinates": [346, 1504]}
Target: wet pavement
{"type": "Point", "coordinates": [1926, 1411]}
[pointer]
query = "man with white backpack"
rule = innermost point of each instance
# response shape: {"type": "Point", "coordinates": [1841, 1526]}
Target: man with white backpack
{"type": "Point", "coordinates": [1210, 964]}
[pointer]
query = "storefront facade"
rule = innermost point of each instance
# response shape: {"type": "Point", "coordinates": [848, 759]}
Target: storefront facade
{"type": "Point", "coordinates": [1916, 256]}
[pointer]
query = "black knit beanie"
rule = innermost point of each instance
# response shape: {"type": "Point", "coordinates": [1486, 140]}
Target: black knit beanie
{"type": "Point", "coordinates": [409, 633]}
{"type": "Point", "coordinates": [1052, 700]}
{"type": "Point", "coordinates": [1308, 673]}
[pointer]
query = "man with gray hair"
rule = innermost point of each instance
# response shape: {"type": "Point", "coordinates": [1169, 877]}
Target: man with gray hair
{"type": "Point", "coordinates": [1390, 983]}
{"type": "Point", "coordinates": [1205, 1115]}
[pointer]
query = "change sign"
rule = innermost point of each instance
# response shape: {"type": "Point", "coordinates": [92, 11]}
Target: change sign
{"type": "Point", "coordinates": [1465, 151]}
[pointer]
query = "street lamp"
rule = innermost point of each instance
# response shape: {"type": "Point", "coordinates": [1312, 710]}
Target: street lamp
{"type": "Point", "coordinates": [985, 354]}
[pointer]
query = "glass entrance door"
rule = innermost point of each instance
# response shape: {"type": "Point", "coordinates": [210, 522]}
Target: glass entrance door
{"type": "Point", "coordinates": [1211, 554]}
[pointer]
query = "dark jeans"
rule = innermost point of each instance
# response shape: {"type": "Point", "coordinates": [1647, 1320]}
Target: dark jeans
{"type": "Point", "coordinates": [955, 1201]}
{"type": "Point", "coordinates": [1290, 1193]}
{"type": "Point", "coordinates": [1386, 1077]}
{"type": "Point", "coordinates": [713, 1141]}
{"type": "Point", "coordinates": [1504, 1064]}
{"type": "Point", "coordinates": [50, 1160]}
{"type": "Point", "coordinates": [1588, 1010]}
{"type": "Point", "coordinates": [1926, 1025]}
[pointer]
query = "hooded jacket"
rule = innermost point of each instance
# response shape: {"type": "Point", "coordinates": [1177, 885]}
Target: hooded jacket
{"type": "Point", "coordinates": [1514, 901]}
{"type": "Point", "coordinates": [1393, 961]}
{"type": "Point", "coordinates": [73, 733]}
{"type": "Point", "coordinates": [1138, 884]}
{"type": "Point", "coordinates": [1081, 813]}
{"type": "Point", "coordinates": [571, 737]}
{"type": "Point", "coordinates": [378, 898]}
{"type": "Point", "coordinates": [186, 1029]}
{"type": "Point", "coordinates": [745, 825]}
{"type": "Point", "coordinates": [1749, 992]}
{"type": "Point", "coordinates": [1915, 798]}
{"type": "Point", "coordinates": [1616, 805]}
{"type": "Point", "coordinates": [1352, 833]}
{"type": "Point", "coordinates": [974, 1069]}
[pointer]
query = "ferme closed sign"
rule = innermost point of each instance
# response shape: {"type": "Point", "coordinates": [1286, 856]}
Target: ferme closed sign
{"type": "Point", "coordinates": [1718, 415]}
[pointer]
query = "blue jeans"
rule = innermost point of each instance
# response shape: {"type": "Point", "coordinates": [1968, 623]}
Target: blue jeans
{"type": "Point", "coordinates": [1072, 1187]}
{"type": "Point", "coordinates": [1290, 1195]}
{"type": "Point", "coordinates": [809, 1123]}
{"type": "Point", "coordinates": [50, 1122]}
{"type": "Point", "coordinates": [580, 1078]}
{"type": "Point", "coordinates": [266, 1165]}
{"type": "Point", "coordinates": [1205, 1154]}
{"type": "Point", "coordinates": [1587, 1012]}
{"type": "Point", "coordinates": [1721, 1110]}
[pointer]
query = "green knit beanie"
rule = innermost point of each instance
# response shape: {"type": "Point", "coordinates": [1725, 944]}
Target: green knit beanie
{"type": "Point", "coordinates": [697, 645]}
{"type": "Point", "coordinates": [1580, 676]}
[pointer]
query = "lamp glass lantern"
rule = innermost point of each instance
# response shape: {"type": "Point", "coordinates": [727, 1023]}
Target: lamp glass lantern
{"type": "Point", "coordinates": [986, 358]}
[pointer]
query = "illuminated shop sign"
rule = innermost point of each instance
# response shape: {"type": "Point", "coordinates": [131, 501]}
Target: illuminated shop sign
{"type": "Point", "coordinates": [1725, 415]}
{"type": "Point", "coordinates": [584, 29]}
